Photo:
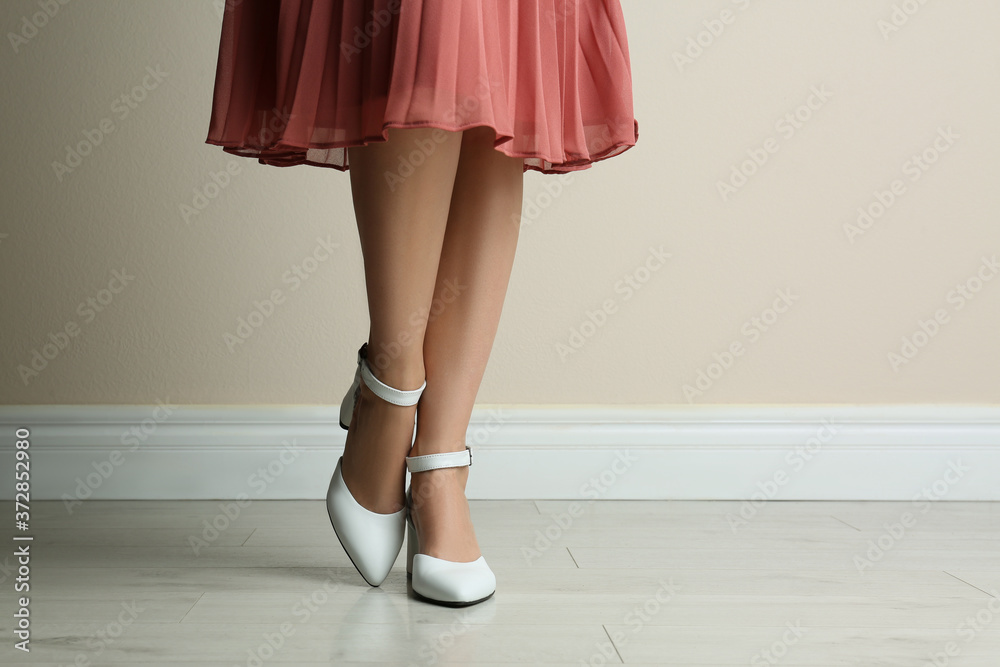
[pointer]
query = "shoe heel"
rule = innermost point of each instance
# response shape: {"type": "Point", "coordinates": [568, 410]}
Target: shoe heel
{"type": "Point", "coordinates": [448, 583]}
{"type": "Point", "coordinates": [412, 546]}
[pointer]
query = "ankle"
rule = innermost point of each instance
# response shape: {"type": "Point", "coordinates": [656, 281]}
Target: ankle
{"type": "Point", "coordinates": [432, 487]}
{"type": "Point", "coordinates": [371, 400]}
{"type": "Point", "coordinates": [403, 373]}
{"type": "Point", "coordinates": [424, 446]}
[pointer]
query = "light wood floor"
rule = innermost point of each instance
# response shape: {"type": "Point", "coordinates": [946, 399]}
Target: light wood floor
{"type": "Point", "coordinates": [643, 583]}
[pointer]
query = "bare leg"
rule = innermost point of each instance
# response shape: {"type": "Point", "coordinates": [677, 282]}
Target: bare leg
{"type": "Point", "coordinates": [401, 224]}
{"type": "Point", "coordinates": [477, 257]}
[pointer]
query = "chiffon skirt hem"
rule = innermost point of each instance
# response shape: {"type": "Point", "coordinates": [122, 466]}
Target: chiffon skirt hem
{"type": "Point", "coordinates": [300, 81]}
{"type": "Point", "coordinates": [282, 154]}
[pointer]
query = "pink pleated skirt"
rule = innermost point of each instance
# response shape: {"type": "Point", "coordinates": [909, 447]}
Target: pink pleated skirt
{"type": "Point", "coordinates": [299, 81]}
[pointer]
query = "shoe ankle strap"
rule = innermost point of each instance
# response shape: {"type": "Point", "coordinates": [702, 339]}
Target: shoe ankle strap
{"type": "Point", "coordinates": [384, 391]}
{"type": "Point", "coordinates": [443, 460]}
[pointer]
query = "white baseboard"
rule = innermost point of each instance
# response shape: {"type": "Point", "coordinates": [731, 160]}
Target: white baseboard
{"type": "Point", "coordinates": [552, 452]}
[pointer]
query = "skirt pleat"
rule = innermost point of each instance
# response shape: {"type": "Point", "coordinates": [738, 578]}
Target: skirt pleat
{"type": "Point", "coordinates": [300, 81]}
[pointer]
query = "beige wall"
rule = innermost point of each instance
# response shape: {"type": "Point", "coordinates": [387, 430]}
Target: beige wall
{"type": "Point", "coordinates": [889, 98]}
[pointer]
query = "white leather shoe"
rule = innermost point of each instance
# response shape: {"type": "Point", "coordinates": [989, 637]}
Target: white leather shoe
{"type": "Point", "coordinates": [372, 540]}
{"type": "Point", "coordinates": [436, 580]}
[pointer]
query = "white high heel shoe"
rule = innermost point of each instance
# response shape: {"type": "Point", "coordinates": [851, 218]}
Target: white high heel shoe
{"type": "Point", "coordinates": [372, 540]}
{"type": "Point", "coordinates": [436, 580]}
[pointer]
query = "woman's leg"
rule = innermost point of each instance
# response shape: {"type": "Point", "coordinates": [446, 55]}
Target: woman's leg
{"type": "Point", "coordinates": [476, 261]}
{"type": "Point", "coordinates": [402, 190]}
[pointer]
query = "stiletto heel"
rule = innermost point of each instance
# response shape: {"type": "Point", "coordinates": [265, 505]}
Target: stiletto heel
{"type": "Point", "coordinates": [351, 397]}
{"type": "Point", "coordinates": [372, 540]}
{"type": "Point", "coordinates": [437, 580]}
